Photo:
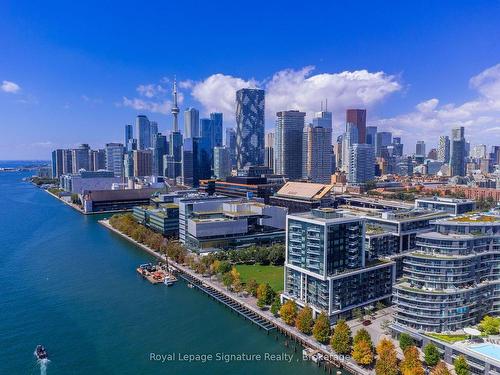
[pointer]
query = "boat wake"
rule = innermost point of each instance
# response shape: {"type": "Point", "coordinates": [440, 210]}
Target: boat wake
{"type": "Point", "coordinates": [43, 363]}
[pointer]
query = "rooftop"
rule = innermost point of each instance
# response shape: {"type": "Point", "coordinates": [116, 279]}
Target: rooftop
{"type": "Point", "coordinates": [304, 190]}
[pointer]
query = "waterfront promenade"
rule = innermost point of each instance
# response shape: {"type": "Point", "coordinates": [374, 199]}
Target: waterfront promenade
{"type": "Point", "coordinates": [250, 304]}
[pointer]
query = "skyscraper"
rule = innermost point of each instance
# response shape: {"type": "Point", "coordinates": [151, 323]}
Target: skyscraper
{"type": "Point", "coordinates": [420, 149]}
{"type": "Point", "coordinates": [317, 149]}
{"type": "Point", "coordinates": [269, 153]}
{"type": "Point", "coordinates": [216, 129]}
{"type": "Point", "coordinates": [349, 138]}
{"type": "Point", "coordinates": [444, 149]}
{"type": "Point", "coordinates": [129, 134]}
{"type": "Point", "coordinates": [457, 155]}
{"type": "Point", "coordinates": [160, 149]}
{"type": "Point", "coordinates": [288, 143]}
{"type": "Point", "coordinates": [383, 140]}
{"type": "Point", "coordinates": [114, 158]}
{"type": "Point", "coordinates": [371, 135]}
{"type": "Point", "coordinates": [249, 127]}
{"type": "Point", "coordinates": [361, 164]}
{"type": "Point", "coordinates": [195, 161]}
{"type": "Point", "coordinates": [231, 144]}
{"type": "Point", "coordinates": [358, 117]}
{"type": "Point", "coordinates": [397, 147]}
{"type": "Point", "coordinates": [80, 158]}
{"type": "Point", "coordinates": [143, 132]}
{"type": "Point", "coordinates": [97, 159]}
{"type": "Point", "coordinates": [191, 123]}
{"type": "Point", "coordinates": [142, 162]}
{"type": "Point", "coordinates": [222, 162]}
{"type": "Point", "coordinates": [57, 163]}
{"type": "Point", "coordinates": [153, 129]}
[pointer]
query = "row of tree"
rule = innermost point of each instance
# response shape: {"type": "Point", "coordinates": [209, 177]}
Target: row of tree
{"type": "Point", "coordinates": [264, 255]}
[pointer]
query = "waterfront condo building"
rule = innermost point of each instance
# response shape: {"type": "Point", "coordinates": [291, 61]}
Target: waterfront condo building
{"type": "Point", "coordinates": [451, 281]}
{"type": "Point", "coordinates": [325, 265]}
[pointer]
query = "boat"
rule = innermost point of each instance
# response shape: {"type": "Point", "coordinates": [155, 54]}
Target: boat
{"type": "Point", "coordinates": [169, 280]}
{"type": "Point", "coordinates": [40, 352]}
{"type": "Point", "coordinates": [190, 285]}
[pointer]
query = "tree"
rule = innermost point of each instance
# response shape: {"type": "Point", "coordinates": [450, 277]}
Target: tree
{"type": "Point", "coordinates": [341, 339]}
{"type": "Point", "coordinates": [276, 306]}
{"type": "Point", "coordinates": [304, 320]}
{"type": "Point", "coordinates": [461, 366]}
{"type": "Point", "coordinates": [385, 326]}
{"type": "Point", "coordinates": [405, 341]}
{"type": "Point", "coordinates": [227, 279]}
{"type": "Point", "coordinates": [251, 287]}
{"type": "Point", "coordinates": [262, 256]}
{"type": "Point", "coordinates": [431, 355]}
{"type": "Point", "coordinates": [363, 335]}
{"type": "Point", "coordinates": [362, 353]}
{"type": "Point", "coordinates": [321, 329]}
{"type": "Point", "coordinates": [379, 305]}
{"type": "Point", "coordinates": [265, 294]}
{"type": "Point", "coordinates": [358, 313]}
{"type": "Point", "coordinates": [490, 325]}
{"type": "Point", "coordinates": [277, 255]}
{"type": "Point", "coordinates": [411, 364]}
{"type": "Point", "coordinates": [441, 369]}
{"type": "Point", "coordinates": [224, 267]}
{"type": "Point", "coordinates": [288, 312]}
{"type": "Point", "coordinates": [387, 362]}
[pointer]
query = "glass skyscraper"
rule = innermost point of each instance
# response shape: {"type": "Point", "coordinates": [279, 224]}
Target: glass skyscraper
{"type": "Point", "coordinates": [143, 132]}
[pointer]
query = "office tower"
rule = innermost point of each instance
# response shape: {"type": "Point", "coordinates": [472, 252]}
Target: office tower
{"type": "Point", "coordinates": [80, 158]}
{"type": "Point", "coordinates": [358, 117]}
{"type": "Point", "coordinates": [160, 149]}
{"type": "Point", "coordinates": [397, 147]}
{"type": "Point", "coordinates": [317, 149]}
{"type": "Point", "coordinates": [269, 151]}
{"type": "Point", "coordinates": [143, 132]}
{"type": "Point", "coordinates": [361, 164]}
{"type": "Point", "coordinates": [216, 129]}
{"type": "Point", "coordinates": [207, 134]}
{"type": "Point", "coordinates": [478, 152]}
{"type": "Point", "coordinates": [457, 153]}
{"type": "Point", "coordinates": [114, 159]}
{"type": "Point", "coordinates": [325, 264]}
{"type": "Point", "coordinates": [288, 143]}
{"type": "Point", "coordinates": [67, 161]}
{"type": "Point", "coordinates": [97, 160]}
{"type": "Point", "coordinates": [444, 149]}
{"type": "Point", "coordinates": [337, 150]}
{"type": "Point", "coordinates": [420, 149]}
{"type": "Point", "coordinates": [174, 160]}
{"type": "Point", "coordinates": [222, 162]}
{"type": "Point", "coordinates": [249, 127]}
{"type": "Point", "coordinates": [191, 123]}
{"type": "Point", "coordinates": [495, 155]}
{"type": "Point", "coordinates": [349, 138]}
{"type": "Point", "coordinates": [153, 129]}
{"type": "Point", "coordinates": [195, 161]}
{"type": "Point", "coordinates": [231, 144]}
{"type": "Point", "coordinates": [57, 163]}
{"type": "Point", "coordinates": [142, 162]}
{"type": "Point", "coordinates": [371, 135]}
{"type": "Point", "coordinates": [129, 134]}
{"type": "Point", "coordinates": [383, 140]}
{"type": "Point", "coordinates": [432, 154]}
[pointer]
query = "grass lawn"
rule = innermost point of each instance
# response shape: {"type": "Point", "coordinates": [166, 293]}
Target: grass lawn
{"type": "Point", "coordinates": [448, 338]}
{"type": "Point", "coordinates": [262, 274]}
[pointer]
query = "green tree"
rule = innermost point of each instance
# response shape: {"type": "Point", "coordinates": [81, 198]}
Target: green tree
{"type": "Point", "coordinates": [341, 339]}
{"type": "Point", "coordinates": [431, 355]}
{"type": "Point", "coordinates": [490, 325]}
{"type": "Point", "coordinates": [379, 306]}
{"type": "Point", "coordinates": [224, 267]}
{"type": "Point", "coordinates": [288, 312]}
{"type": "Point", "coordinates": [362, 353]}
{"type": "Point", "coordinates": [387, 362]}
{"type": "Point", "coordinates": [251, 287]}
{"type": "Point", "coordinates": [411, 364]}
{"type": "Point", "coordinates": [277, 255]}
{"type": "Point", "coordinates": [441, 369]}
{"type": "Point", "coordinates": [304, 320]}
{"type": "Point", "coordinates": [363, 335]}
{"type": "Point", "coordinates": [358, 313]}
{"type": "Point", "coordinates": [461, 366]}
{"type": "Point", "coordinates": [262, 256]}
{"type": "Point", "coordinates": [321, 329]}
{"type": "Point", "coordinates": [405, 341]}
{"type": "Point", "coordinates": [276, 306]}
{"type": "Point", "coordinates": [227, 279]}
{"type": "Point", "coordinates": [265, 294]}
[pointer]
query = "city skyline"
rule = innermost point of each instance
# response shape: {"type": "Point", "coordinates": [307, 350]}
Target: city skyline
{"type": "Point", "coordinates": [77, 86]}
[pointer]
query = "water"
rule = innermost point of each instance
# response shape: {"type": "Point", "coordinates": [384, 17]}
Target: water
{"type": "Point", "coordinates": [68, 283]}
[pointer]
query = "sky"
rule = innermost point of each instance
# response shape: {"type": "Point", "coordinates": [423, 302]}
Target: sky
{"type": "Point", "coordinates": [77, 72]}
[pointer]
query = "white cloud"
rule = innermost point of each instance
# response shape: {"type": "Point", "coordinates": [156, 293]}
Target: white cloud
{"type": "Point", "coordinates": [153, 97]}
{"type": "Point", "coordinates": [163, 106]}
{"type": "Point", "coordinates": [480, 116]}
{"type": "Point", "coordinates": [10, 87]}
{"type": "Point", "coordinates": [151, 90]}
{"type": "Point", "coordinates": [299, 89]}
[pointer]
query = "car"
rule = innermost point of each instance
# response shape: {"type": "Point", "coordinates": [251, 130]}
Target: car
{"type": "Point", "coordinates": [367, 322]}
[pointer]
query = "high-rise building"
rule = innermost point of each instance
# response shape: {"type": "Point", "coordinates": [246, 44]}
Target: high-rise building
{"type": "Point", "coordinates": [269, 155]}
{"type": "Point", "coordinates": [191, 123]}
{"type": "Point", "coordinates": [383, 140]}
{"type": "Point", "coordinates": [397, 147]}
{"type": "Point", "coordinates": [153, 129]}
{"type": "Point", "coordinates": [142, 162]}
{"type": "Point", "coordinates": [349, 138]}
{"type": "Point", "coordinates": [358, 117]}
{"type": "Point", "coordinates": [57, 163]}
{"type": "Point", "coordinates": [317, 149]}
{"type": "Point", "coordinates": [80, 158]}
{"type": "Point", "coordinates": [288, 143]}
{"type": "Point", "coordinates": [478, 152]}
{"type": "Point", "coordinates": [114, 158]}
{"type": "Point", "coordinates": [222, 162]}
{"type": "Point", "coordinates": [67, 161]}
{"type": "Point", "coordinates": [444, 149]}
{"type": "Point", "coordinates": [160, 149]}
{"type": "Point", "coordinates": [195, 161]}
{"type": "Point", "coordinates": [337, 150]}
{"type": "Point", "coordinates": [495, 155]}
{"type": "Point", "coordinates": [361, 164]}
{"type": "Point", "coordinates": [457, 154]}
{"type": "Point", "coordinates": [97, 159]}
{"type": "Point", "coordinates": [143, 132]}
{"type": "Point", "coordinates": [420, 149]}
{"type": "Point", "coordinates": [371, 135]}
{"type": "Point", "coordinates": [231, 144]}
{"type": "Point", "coordinates": [216, 120]}
{"type": "Point", "coordinates": [432, 155]}
{"type": "Point", "coordinates": [129, 134]}
{"type": "Point", "coordinates": [249, 127]}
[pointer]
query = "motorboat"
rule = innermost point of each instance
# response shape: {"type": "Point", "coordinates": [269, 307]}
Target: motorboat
{"type": "Point", "coordinates": [40, 352]}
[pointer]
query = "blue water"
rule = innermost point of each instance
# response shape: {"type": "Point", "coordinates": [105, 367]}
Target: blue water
{"type": "Point", "coordinates": [69, 284]}
{"type": "Point", "coordinates": [489, 350]}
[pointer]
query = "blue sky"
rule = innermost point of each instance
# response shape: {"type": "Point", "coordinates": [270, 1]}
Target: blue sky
{"type": "Point", "coordinates": [73, 73]}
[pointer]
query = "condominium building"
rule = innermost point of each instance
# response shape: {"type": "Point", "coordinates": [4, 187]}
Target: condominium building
{"type": "Point", "coordinates": [114, 158]}
{"type": "Point", "coordinates": [451, 280]}
{"type": "Point", "coordinates": [361, 164]}
{"type": "Point", "coordinates": [317, 149]}
{"type": "Point", "coordinates": [288, 143]}
{"type": "Point", "coordinates": [444, 149]}
{"type": "Point", "coordinates": [191, 123]}
{"type": "Point", "coordinates": [143, 162]}
{"type": "Point", "coordinates": [325, 265]}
